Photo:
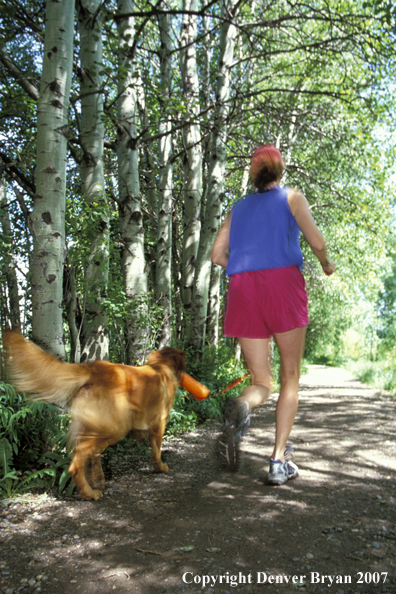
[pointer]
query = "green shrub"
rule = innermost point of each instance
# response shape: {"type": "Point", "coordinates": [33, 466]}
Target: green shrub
{"type": "Point", "coordinates": [381, 374]}
{"type": "Point", "coordinates": [27, 430]}
{"type": "Point", "coordinates": [216, 369]}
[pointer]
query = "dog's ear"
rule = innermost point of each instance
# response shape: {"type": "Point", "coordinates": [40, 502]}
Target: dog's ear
{"type": "Point", "coordinates": [179, 358]}
{"type": "Point", "coordinates": [154, 358]}
{"type": "Point", "coordinates": [172, 357]}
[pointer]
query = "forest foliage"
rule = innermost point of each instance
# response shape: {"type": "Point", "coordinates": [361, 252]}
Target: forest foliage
{"type": "Point", "coordinates": [126, 129]}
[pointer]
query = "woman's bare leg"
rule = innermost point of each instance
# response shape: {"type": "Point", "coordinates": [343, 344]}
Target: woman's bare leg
{"type": "Point", "coordinates": [291, 349]}
{"type": "Point", "coordinates": [257, 354]}
{"type": "Point", "coordinates": [236, 413]}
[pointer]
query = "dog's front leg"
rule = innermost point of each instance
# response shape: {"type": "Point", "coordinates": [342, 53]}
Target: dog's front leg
{"type": "Point", "coordinates": [156, 434]}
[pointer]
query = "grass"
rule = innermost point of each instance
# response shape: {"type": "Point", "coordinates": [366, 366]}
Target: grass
{"type": "Point", "coordinates": [380, 374]}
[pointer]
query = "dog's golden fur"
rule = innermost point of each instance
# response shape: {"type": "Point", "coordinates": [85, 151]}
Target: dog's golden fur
{"type": "Point", "coordinates": [107, 401]}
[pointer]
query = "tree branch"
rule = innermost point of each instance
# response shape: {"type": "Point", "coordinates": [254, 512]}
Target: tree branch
{"type": "Point", "coordinates": [18, 75]}
{"type": "Point", "coordinates": [16, 174]}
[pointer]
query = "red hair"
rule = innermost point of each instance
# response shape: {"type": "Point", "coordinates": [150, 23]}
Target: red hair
{"type": "Point", "coordinates": [266, 165]}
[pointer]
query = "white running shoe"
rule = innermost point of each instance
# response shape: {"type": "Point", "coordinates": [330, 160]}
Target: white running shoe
{"type": "Point", "coordinates": [281, 472]}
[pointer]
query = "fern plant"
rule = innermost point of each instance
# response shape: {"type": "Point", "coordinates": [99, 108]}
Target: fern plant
{"type": "Point", "coordinates": [27, 430]}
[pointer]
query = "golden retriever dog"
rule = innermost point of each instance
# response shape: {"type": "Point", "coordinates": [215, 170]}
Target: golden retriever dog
{"type": "Point", "coordinates": [107, 401]}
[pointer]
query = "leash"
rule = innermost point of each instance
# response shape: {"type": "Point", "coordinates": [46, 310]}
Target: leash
{"type": "Point", "coordinates": [232, 385]}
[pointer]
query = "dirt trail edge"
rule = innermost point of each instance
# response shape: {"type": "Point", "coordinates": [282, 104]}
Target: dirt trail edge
{"type": "Point", "coordinates": [203, 529]}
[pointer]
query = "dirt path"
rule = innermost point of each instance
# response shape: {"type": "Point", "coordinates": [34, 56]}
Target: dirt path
{"type": "Point", "coordinates": [334, 525]}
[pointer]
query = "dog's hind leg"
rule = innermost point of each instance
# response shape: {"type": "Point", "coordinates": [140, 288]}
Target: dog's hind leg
{"type": "Point", "coordinates": [85, 450]}
{"type": "Point", "coordinates": [156, 434]}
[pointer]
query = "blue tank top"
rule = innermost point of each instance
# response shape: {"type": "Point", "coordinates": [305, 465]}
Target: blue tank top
{"type": "Point", "coordinates": [264, 234]}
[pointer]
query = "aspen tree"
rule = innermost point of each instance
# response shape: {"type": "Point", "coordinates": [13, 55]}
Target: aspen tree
{"type": "Point", "coordinates": [192, 202]}
{"type": "Point", "coordinates": [130, 211]}
{"type": "Point", "coordinates": [10, 268]}
{"type": "Point", "coordinates": [48, 216]}
{"type": "Point", "coordinates": [165, 203]}
{"type": "Point", "coordinates": [94, 333]}
{"type": "Point", "coordinates": [216, 175]}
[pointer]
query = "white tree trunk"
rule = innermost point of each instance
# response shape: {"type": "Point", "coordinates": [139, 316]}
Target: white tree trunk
{"type": "Point", "coordinates": [215, 180]}
{"type": "Point", "coordinates": [216, 286]}
{"type": "Point", "coordinates": [193, 152]}
{"type": "Point", "coordinates": [71, 306]}
{"type": "Point", "coordinates": [212, 328]}
{"type": "Point", "coordinates": [164, 236]}
{"type": "Point", "coordinates": [48, 216]}
{"type": "Point", "coordinates": [206, 91]}
{"type": "Point", "coordinates": [147, 165]}
{"type": "Point", "coordinates": [131, 219]}
{"type": "Point", "coordinates": [94, 335]}
{"type": "Point", "coordinates": [216, 272]}
{"type": "Point", "coordinates": [12, 314]}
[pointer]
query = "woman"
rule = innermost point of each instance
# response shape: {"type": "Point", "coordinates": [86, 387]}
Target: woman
{"type": "Point", "coordinates": [259, 245]}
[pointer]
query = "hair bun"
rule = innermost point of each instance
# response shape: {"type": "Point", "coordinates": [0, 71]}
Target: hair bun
{"type": "Point", "coordinates": [266, 153]}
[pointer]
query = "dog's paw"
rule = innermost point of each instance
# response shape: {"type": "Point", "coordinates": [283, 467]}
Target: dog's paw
{"type": "Point", "coordinates": [97, 494]}
{"type": "Point", "coordinates": [161, 467]}
{"type": "Point", "coordinates": [92, 494]}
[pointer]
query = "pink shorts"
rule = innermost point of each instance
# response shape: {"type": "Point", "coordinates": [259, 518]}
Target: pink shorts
{"type": "Point", "coordinates": [264, 302]}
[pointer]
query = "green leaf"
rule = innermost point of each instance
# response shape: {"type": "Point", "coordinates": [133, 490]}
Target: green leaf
{"type": "Point", "coordinates": [71, 488]}
{"type": "Point", "coordinates": [213, 550]}
{"type": "Point", "coordinates": [51, 456]}
{"type": "Point", "coordinates": [64, 479]}
{"type": "Point", "coordinates": [187, 549]}
{"type": "Point", "coordinates": [5, 455]}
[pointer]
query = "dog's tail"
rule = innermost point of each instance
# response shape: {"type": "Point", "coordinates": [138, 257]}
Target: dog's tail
{"type": "Point", "coordinates": [40, 374]}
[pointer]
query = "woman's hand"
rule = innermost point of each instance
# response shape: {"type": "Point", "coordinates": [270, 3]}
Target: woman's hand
{"type": "Point", "coordinates": [329, 267]}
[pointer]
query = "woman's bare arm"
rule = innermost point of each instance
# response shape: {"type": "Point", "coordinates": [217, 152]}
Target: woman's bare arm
{"type": "Point", "coordinates": [222, 244]}
{"type": "Point", "coordinates": [299, 207]}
